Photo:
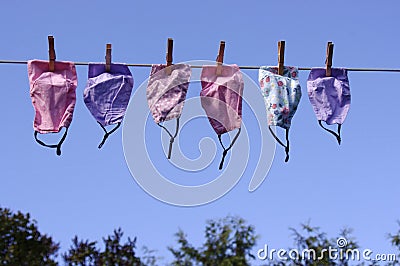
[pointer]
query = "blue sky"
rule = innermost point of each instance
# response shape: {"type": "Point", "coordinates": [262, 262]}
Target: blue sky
{"type": "Point", "coordinates": [90, 192]}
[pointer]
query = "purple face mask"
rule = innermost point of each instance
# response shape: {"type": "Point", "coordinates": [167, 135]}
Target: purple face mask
{"type": "Point", "coordinates": [329, 97]}
{"type": "Point", "coordinates": [107, 95]}
{"type": "Point", "coordinates": [221, 99]}
{"type": "Point", "coordinates": [166, 95]}
{"type": "Point", "coordinates": [53, 97]}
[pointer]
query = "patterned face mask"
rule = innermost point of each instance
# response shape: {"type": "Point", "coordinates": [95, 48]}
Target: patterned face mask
{"type": "Point", "coordinates": [329, 97]}
{"type": "Point", "coordinates": [53, 98]}
{"type": "Point", "coordinates": [107, 95]}
{"type": "Point", "coordinates": [281, 96]}
{"type": "Point", "coordinates": [166, 95]}
{"type": "Point", "coordinates": [221, 98]}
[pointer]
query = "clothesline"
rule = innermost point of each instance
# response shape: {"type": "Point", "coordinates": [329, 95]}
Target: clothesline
{"type": "Point", "coordinates": [241, 67]}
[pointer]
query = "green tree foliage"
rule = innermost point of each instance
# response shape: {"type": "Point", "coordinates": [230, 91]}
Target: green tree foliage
{"type": "Point", "coordinates": [81, 252]}
{"type": "Point", "coordinates": [228, 242]}
{"type": "Point", "coordinates": [22, 244]}
{"type": "Point", "coordinates": [395, 240]}
{"type": "Point", "coordinates": [85, 253]}
{"type": "Point", "coordinates": [149, 257]}
{"type": "Point", "coordinates": [318, 241]}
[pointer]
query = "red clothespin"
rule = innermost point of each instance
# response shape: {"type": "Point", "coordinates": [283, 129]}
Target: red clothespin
{"type": "Point", "coordinates": [281, 56]}
{"type": "Point", "coordinates": [108, 57]}
{"type": "Point", "coordinates": [170, 46]}
{"type": "Point", "coordinates": [220, 57]}
{"type": "Point", "coordinates": [328, 61]}
{"type": "Point", "coordinates": [52, 53]}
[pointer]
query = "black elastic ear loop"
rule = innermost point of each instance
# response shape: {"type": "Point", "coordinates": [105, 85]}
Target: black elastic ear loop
{"type": "Point", "coordinates": [221, 164]}
{"type": "Point", "coordinates": [281, 143]}
{"type": "Point", "coordinates": [107, 134]}
{"type": "Point", "coordinates": [339, 139]}
{"type": "Point", "coordinates": [172, 137]}
{"type": "Point", "coordinates": [57, 146]}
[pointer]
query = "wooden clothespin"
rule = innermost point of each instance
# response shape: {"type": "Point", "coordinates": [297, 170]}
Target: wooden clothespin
{"type": "Point", "coordinates": [108, 57]}
{"type": "Point", "coordinates": [281, 56]}
{"type": "Point", "coordinates": [220, 57]}
{"type": "Point", "coordinates": [52, 53]}
{"type": "Point", "coordinates": [328, 61]}
{"type": "Point", "coordinates": [170, 46]}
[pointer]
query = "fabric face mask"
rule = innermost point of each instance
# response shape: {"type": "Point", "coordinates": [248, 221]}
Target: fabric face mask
{"type": "Point", "coordinates": [329, 97]}
{"type": "Point", "coordinates": [53, 97]}
{"type": "Point", "coordinates": [166, 95]}
{"type": "Point", "coordinates": [282, 95]}
{"type": "Point", "coordinates": [221, 99]}
{"type": "Point", "coordinates": [107, 95]}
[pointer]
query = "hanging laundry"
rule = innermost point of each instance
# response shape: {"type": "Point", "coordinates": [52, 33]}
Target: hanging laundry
{"type": "Point", "coordinates": [53, 97]}
{"type": "Point", "coordinates": [107, 95]}
{"type": "Point", "coordinates": [282, 95]}
{"type": "Point", "coordinates": [329, 97]}
{"type": "Point", "coordinates": [221, 98]}
{"type": "Point", "coordinates": [166, 94]}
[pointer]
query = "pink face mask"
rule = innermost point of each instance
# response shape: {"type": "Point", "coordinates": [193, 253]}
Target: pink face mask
{"type": "Point", "coordinates": [166, 95]}
{"type": "Point", "coordinates": [221, 99]}
{"type": "Point", "coordinates": [53, 98]}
